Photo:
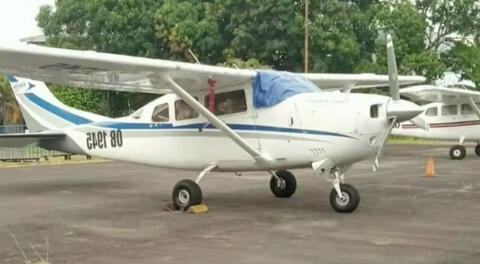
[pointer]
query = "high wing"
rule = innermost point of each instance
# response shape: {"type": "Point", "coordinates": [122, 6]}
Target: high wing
{"type": "Point", "coordinates": [89, 69]}
{"type": "Point", "coordinates": [431, 93]}
{"type": "Point", "coordinates": [358, 81]}
{"type": "Point", "coordinates": [24, 139]}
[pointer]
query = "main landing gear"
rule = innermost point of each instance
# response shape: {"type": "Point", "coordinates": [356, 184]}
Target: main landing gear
{"type": "Point", "coordinates": [283, 184]}
{"type": "Point", "coordinates": [344, 198]}
{"type": "Point", "coordinates": [458, 152]}
{"type": "Point", "coordinates": [187, 193]}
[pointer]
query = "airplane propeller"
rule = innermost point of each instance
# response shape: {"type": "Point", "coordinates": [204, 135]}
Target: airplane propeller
{"type": "Point", "coordinates": [397, 110]}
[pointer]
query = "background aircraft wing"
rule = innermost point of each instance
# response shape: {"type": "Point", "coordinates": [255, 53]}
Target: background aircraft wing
{"type": "Point", "coordinates": [358, 81]}
{"type": "Point", "coordinates": [24, 139]}
{"type": "Point", "coordinates": [430, 93]}
{"type": "Point", "coordinates": [89, 69]}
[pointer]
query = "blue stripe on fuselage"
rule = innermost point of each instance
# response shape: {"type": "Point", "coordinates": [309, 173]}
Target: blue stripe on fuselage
{"type": "Point", "coordinates": [197, 126]}
{"type": "Point", "coordinates": [62, 113]}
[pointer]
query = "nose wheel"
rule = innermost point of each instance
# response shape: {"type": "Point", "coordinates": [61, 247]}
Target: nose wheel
{"type": "Point", "coordinates": [348, 201]}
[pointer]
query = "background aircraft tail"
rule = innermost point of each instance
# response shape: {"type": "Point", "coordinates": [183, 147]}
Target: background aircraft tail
{"type": "Point", "coordinates": [43, 111]}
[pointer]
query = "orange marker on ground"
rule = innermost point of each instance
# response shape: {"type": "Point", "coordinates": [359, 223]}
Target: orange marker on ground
{"type": "Point", "coordinates": [430, 170]}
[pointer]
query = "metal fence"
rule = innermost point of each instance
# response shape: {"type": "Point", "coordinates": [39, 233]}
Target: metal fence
{"type": "Point", "coordinates": [26, 153]}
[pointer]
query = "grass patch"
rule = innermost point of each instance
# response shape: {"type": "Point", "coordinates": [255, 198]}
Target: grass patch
{"type": "Point", "coordinates": [55, 160]}
{"type": "Point", "coordinates": [411, 141]}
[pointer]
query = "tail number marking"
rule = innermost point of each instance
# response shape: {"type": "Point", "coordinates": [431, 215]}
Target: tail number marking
{"type": "Point", "coordinates": [99, 139]}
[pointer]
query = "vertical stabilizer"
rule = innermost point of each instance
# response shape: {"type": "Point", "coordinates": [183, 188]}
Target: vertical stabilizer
{"type": "Point", "coordinates": [43, 111]}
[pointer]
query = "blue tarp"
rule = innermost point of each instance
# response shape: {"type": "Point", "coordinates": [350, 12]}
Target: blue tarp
{"type": "Point", "coordinates": [271, 88]}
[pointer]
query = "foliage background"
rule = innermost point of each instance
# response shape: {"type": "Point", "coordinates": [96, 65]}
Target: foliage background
{"type": "Point", "coordinates": [431, 36]}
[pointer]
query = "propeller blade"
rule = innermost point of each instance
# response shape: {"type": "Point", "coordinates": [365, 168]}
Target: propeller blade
{"type": "Point", "coordinates": [392, 69]}
{"type": "Point", "coordinates": [420, 122]}
{"type": "Point", "coordinates": [376, 163]}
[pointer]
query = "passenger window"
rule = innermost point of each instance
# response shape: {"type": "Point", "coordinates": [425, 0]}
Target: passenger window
{"type": "Point", "coordinates": [374, 111]}
{"type": "Point", "coordinates": [160, 113]}
{"type": "Point", "coordinates": [432, 111]}
{"type": "Point", "coordinates": [229, 103]}
{"type": "Point", "coordinates": [467, 109]}
{"type": "Point", "coordinates": [448, 110]}
{"type": "Point", "coordinates": [183, 111]}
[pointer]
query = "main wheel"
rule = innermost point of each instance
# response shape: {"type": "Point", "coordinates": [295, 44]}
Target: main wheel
{"type": "Point", "coordinates": [349, 202]}
{"type": "Point", "coordinates": [185, 194]}
{"type": "Point", "coordinates": [477, 149]}
{"type": "Point", "coordinates": [285, 187]}
{"type": "Point", "coordinates": [457, 152]}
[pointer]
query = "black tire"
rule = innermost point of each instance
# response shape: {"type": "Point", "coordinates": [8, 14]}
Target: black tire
{"type": "Point", "coordinates": [477, 149]}
{"type": "Point", "coordinates": [283, 190]}
{"type": "Point", "coordinates": [352, 199]}
{"type": "Point", "coordinates": [185, 194]}
{"type": "Point", "coordinates": [457, 152]}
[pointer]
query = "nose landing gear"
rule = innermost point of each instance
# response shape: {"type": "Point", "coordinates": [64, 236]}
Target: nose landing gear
{"type": "Point", "coordinates": [344, 198]}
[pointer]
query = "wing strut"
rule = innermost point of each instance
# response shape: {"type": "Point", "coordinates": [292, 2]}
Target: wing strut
{"type": "Point", "coordinates": [192, 102]}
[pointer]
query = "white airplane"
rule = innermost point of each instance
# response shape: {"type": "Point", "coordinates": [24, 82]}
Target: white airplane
{"type": "Point", "coordinates": [212, 119]}
{"type": "Point", "coordinates": [452, 114]}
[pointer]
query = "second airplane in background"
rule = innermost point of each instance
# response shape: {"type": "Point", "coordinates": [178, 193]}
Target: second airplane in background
{"type": "Point", "coordinates": [452, 114]}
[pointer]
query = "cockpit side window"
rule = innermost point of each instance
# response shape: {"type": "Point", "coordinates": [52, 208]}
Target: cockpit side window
{"type": "Point", "coordinates": [183, 111]}
{"type": "Point", "coordinates": [160, 113]}
{"type": "Point", "coordinates": [229, 102]}
{"type": "Point", "coordinates": [449, 110]}
{"type": "Point", "coordinates": [432, 111]}
{"type": "Point", "coordinates": [374, 111]}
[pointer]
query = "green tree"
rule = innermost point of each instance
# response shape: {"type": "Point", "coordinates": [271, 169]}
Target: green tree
{"type": "Point", "coordinates": [190, 25]}
{"type": "Point", "coordinates": [465, 59]}
{"type": "Point", "coordinates": [123, 27]}
{"type": "Point", "coordinates": [9, 109]}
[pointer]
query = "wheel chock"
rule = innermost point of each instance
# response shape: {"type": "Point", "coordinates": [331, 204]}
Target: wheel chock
{"type": "Point", "coordinates": [197, 209]}
{"type": "Point", "coordinates": [430, 170]}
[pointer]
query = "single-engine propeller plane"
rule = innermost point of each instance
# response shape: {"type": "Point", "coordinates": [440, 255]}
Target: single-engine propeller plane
{"type": "Point", "coordinates": [212, 118]}
{"type": "Point", "coordinates": [451, 114]}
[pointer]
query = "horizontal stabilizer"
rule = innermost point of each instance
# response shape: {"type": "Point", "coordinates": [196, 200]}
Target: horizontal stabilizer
{"type": "Point", "coordinates": [18, 140]}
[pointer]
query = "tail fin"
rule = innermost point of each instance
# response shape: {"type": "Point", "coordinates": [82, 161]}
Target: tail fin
{"type": "Point", "coordinates": [43, 111]}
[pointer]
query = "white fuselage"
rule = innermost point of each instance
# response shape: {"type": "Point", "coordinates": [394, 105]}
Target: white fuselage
{"type": "Point", "coordinates": [445, 122]}
{"type": "Point", "coordinates": [293, 134]}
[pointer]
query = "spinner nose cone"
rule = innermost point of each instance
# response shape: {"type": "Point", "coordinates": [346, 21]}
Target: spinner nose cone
{"type": "Point", "coordinates": [403, 110]}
